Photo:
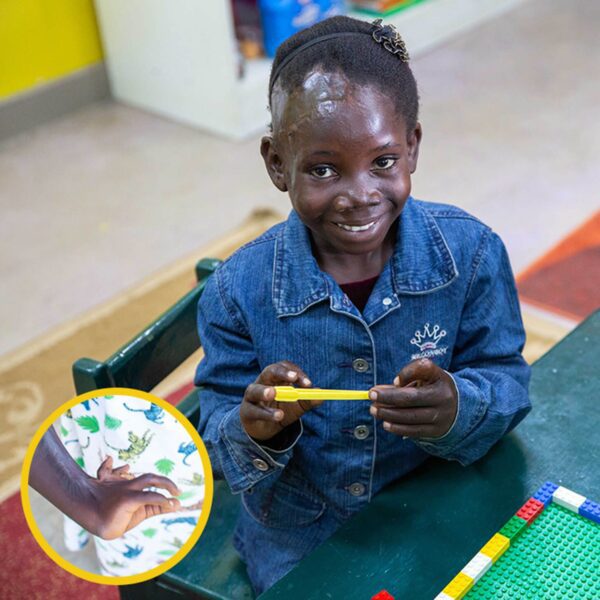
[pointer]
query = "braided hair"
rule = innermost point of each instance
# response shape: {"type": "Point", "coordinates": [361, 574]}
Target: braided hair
{"type": "Point", "coordinates": [359, 57]}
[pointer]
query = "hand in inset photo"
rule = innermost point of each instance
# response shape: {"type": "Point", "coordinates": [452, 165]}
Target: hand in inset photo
{"type": "Point", "coordinates": [107, 505]}
{"type": "Point", "coordinates": [124, 472]}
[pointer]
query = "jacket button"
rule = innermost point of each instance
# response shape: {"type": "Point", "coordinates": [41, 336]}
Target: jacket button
{"type": "Point", "coordinates": [360, 365]}
{"type": "Point", "coordinates": [361, 432]}
{"type": "Point", "coordinates": [357, 489]}
{"type": "Point", "coordinates": [260, 464]}
{"type": "Point", "coordinates": [387, 301]}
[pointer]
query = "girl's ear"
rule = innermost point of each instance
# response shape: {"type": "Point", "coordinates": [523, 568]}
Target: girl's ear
{"type": "Point", "coordinates": [273, 163]}
{"type": "Point", "coordinates": [414, 141]}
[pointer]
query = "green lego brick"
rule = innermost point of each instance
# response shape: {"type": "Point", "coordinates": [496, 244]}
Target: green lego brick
{"type": "Point", "coordinates": [555, 557]}
{"type": "Point", "coordinates": [513, 527]}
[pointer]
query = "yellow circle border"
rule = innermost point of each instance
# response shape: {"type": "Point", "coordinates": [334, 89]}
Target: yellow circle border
{"type": "Point", "coordinates": [204, 513]}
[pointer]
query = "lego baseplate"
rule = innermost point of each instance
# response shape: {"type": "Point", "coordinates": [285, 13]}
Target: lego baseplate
{"type": "Point", "coordinates": [549, 549]}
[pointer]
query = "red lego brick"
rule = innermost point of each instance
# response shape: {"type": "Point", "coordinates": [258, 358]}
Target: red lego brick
{"type": "Point", "coordinates": [531, 510]}
{"type": "Point", "coordinates": [383, 595]}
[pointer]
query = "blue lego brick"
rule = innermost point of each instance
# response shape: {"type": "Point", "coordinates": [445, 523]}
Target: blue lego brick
{"type": "Point", "coordinates": [544, 494]}
{"type": "Point", "coordinates": [591, 510]}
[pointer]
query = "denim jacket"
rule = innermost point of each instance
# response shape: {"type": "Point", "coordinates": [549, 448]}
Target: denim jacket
{"type": "Point", "coordinates": [447, 293]}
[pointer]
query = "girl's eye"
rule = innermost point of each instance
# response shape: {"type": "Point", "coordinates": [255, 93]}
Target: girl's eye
{"type": "Point", "coordinates": [322, 172]}
{"type": "Point", "coordinates": [385, 162]}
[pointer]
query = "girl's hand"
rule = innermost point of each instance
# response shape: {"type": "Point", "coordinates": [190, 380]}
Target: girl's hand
{"type": "Point", "coordinates": [262, 417]}
{"type": "Point", "coordinates": [422, 403]}
{"type": "Point", "coordinates": [107, 473]}
{"type": "Point", "coordinates": [121, 502]}
{"type": "Point", "coordinates": [108, 506]}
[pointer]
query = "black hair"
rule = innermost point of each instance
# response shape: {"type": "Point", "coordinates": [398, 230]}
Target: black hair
{"type": "Point", "coordinates": [359, 57]}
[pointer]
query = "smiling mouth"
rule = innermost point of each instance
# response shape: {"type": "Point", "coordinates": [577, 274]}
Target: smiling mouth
{"type": "Point", "coordinates": [356, 227]}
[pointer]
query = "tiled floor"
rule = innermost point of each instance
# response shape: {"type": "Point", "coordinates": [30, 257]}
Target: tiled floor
{"type": "Point", "coordinates": [96, 201]}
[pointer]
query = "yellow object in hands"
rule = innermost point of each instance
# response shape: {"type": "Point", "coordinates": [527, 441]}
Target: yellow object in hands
{"type": "Point", "coordinates": [287, 393]}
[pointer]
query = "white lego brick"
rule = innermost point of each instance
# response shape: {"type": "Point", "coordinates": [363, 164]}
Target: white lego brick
{"type": "Point", "coordinates": [477, 566]}
{"type": "Point", "coordinates": [443, 596]}
{"type": "Point", "coordinates": [568, 499]}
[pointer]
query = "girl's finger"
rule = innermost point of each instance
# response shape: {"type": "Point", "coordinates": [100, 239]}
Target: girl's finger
{"type": "Point", "coordinates": [277, 374]}
{"type": "Point", "coordinates": [419, 416]}
{"type": "Point", "coordinates": [105, 468]}
{"type": "Point", "coordinates": [422, 370]}
{"type": "Point", "coordinates": [122, 470]}
{"type": "Point", "coordinates": [410, 431]}
{"type": "Point", "coordinates": [282, 373]}
{"type": "Point", "coordinates": [151, 480]}
{"type": "Point", "coordinates": [155, 499]}
{"type": "Point", "coordinates": [257, 393]}
{"type": "Point", "coordinates": [257, 412]}
{"type": "Point", "coordinates": [405, 397]}
{"type": "Point", "coordinates": [302, 379]}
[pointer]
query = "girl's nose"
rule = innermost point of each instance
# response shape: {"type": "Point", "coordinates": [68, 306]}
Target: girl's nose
{"type": "Point", "coordinates": [356, 197]}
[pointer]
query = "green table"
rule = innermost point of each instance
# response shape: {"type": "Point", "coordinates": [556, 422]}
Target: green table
{"type": "Point", "coordinates": [417, 534]}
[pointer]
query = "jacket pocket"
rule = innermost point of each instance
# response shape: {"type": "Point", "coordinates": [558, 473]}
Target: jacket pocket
{"type": "Point", "coordinates": [289, 503]}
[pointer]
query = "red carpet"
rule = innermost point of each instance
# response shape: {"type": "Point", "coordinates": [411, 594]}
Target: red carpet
{"type": "Point", "coordinates": [180, 393]}
{"type": "Point", "coordinates": [566, 280]}
{"type": "Point", "coordinates": [28, 573]}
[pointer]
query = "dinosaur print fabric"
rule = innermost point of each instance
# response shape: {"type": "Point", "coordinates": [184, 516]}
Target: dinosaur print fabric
{"type": "Point", "coordinates": [150, 440]}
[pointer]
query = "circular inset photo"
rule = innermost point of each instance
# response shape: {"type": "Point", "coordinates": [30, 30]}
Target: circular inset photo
{"type": "Point", "coordinates": [116, 486]}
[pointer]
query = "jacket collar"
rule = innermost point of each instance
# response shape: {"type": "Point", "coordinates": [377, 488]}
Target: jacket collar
{"type": "Point", "coordinates": [421, 263]}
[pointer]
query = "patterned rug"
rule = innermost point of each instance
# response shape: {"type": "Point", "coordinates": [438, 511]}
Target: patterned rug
{"type": "Point", "coordinates": [565, 281]}
{"type": "Point", "coordinates": [561, 288]}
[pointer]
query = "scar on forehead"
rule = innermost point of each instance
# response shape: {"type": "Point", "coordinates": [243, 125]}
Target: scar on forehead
{"type": "Point", "coordinates": [326, 86]}
{"type": "Point", "coordinates": [317, 97]}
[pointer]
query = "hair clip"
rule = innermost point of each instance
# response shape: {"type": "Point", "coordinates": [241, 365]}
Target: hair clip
{"type": "Point", "coordinates": [388, 36]}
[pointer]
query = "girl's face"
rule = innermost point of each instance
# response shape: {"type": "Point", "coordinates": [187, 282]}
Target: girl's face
{"type": "Point", "coordinates": [345, 157]}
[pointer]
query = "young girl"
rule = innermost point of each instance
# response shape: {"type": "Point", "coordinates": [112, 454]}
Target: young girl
{"type": "Point", "coordinates": [363, 287]}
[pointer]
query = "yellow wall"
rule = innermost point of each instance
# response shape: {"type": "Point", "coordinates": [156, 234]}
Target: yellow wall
{"type": "Point", "coordinates": [42, 40]}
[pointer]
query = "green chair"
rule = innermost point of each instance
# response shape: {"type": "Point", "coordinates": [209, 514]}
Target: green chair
{"type": "Point", "coordinates": [212, 570]}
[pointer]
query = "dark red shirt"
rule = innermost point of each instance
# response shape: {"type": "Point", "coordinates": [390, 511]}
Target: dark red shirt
{"type": "Point", "coordinates": [359, 291]}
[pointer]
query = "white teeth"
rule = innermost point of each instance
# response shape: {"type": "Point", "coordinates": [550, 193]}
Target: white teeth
{"type": "Point", "coordinates": [356, 227]}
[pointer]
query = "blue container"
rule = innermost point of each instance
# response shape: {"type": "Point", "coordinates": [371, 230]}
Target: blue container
{"type": "Point", "coordinates": [283, 18]}
{"type": "Point", "coordinates": [330, 8]}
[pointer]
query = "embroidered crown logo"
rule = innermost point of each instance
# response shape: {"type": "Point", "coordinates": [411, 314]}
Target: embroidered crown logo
{"type": "Point", "coordinates": [429, 338]}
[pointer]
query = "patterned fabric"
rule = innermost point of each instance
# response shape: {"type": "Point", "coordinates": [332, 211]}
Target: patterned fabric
{"type": "Point", "coordinates": [150, 440]}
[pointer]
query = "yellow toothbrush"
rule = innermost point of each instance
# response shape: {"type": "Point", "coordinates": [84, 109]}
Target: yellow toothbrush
{"type": "Point", "coordinates": [287, 393]}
